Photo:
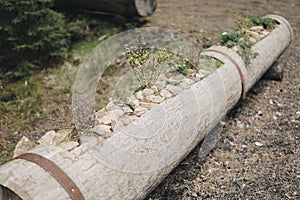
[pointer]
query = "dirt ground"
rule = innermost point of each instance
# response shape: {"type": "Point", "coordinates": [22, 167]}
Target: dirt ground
{"type": "Point", "coordinates": [258, 154]}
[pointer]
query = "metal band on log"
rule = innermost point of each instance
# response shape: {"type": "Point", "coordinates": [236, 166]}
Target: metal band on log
{"type": "Point", "coordinates": [97, 166]}
{"type": "Point", "coordinates": [130, 8]}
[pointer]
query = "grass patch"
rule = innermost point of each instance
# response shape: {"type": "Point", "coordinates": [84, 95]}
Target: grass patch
{"type": "Point", "coordinates": [41, 102]}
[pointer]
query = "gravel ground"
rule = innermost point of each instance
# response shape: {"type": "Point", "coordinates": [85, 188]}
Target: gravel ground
{"type": "Point", "coordinates": [258, 154]}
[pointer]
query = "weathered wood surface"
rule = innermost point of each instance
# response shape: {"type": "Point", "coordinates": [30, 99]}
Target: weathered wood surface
{"type": "Point", "coordinates": [131, 8]}
{"type": "Point", "coordinates": [133, 161]}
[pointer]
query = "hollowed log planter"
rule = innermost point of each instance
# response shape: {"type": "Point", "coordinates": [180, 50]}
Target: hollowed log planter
{"type": "Point", "coordinates": [130, 8]}
{"type": "Point", "coordinates": [124, 167]}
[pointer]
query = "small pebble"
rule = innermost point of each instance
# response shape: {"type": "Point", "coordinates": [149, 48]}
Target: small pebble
{"type": "Point", "coordinates": [102, 130]}
{"type": "Point", "coordinates": [278, 114]}
{"type": "Point", "coordinates": [201, 76]}
{"type": "Point", "coordinates": [252, 39]}
{"type": "Point", "coordinates": [259, 144]}
{"type": "Point", "coordinates": [298, 113]}
{"type": "Point", "coordinates": [155, 99]}
{"type": "Point", "coordinates": [257, 28]}
{"type": "Point", "coordinates": [147, 92]}
{"type": "Point", "coordinates": [140, 110]}
{"type": "Point", "coordinates": [240, 124]}
{"type": "Point", "coordinates": [264, 33]}
{"type": "Point", "coordinates": [147, 105]}
{"type": "Point", "coordinates": [255, 35]}
{"type": "Point", "coordinates": [128, 119]}
{"type": "Point", "coordinates": [154, 89]}
{"type": "Point", "coordinates": [160, 84]}
{"type": "Point", "coordinates": [165, 93]}
{"type": "Point", "coordinates": [105, 119]}
{"type": "Point", "coordinates": [259, 113]}
{"type": "Point", "coordinates": [117, 113]}
{"type": "Point", "coordinates": [134, 104]}
{"type": "Point", "coordinates": [173, 89]}
{"type": "Point", "coordinates": [127, 109]}
{"type": "Point", "coordinates": [187, 81]}
{"type": "Point", "coordinates": [173, 81]}
{"type": "Point", "coordinates": [139, 95]}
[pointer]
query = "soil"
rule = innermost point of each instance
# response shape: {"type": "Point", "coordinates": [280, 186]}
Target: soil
{"type": "Point", "coordinates": [257, 155]}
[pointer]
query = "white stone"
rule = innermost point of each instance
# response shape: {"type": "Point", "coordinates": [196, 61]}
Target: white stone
{"type": "Point", "coordinates": [201, 76]}
{"type": "Point", "coordinates": [62, 135]}
{"type": "Point", "coordinates": [68, 145]}
{"type": "Point", "coordinates": [48, 138]}
{"type": "Point", "coordinates": [103, 130]}
{"type": "Point", "coordinates": [22, 146]}
{"type": "Point", "coordinates": [237, 48]}
{"type": "Point", "coordinates": [278, 114]}
{"type": "Point", "coordinates": [155, 89]}
{"type": "Point", "coordinates": [160, 84]}
{"type": "Point", "coordinates": [103, 111]}
{"type": "Point", "coordinates": [147, 92]}
{"type": "Point", "coordinates": [155, 99]}
{"type": "Point", "coordinates": [105, 119]}
{"type": "Point", "coordinates": [127, 119]}
{"type": "Point", "coordinates": [148, 105]}
{"type": "Point", "coordinates": [187, 81]}
{"type": "Point", "coordinates": [255, 35]}
{"type": "Point", "coordinates": [259, 144]}
{"type": "Point", "coordinates": [116, 125]}
{"type": "Point", "coordinates": [139, 95]}
{"type": "Point", "coordinates": [162, 77]}
{"type": "Point", "coordinates": [298, 113]}
{"type": "Point", "coordinates": [116, 113]}
{"type": "Point", "coordinates": [140, 110]}
{"type": "Point", "coordinates": [252, 40]}
{"type": "Point", "coordinates": [174, 89]}
{"type": "Point", "coordinates": [264, 33]}
{"type": "Point", "coordinates": [134, 104]}
{"type": "Point", "coordinates": [127, 109]}
{"type": "Point", "coordinates": [240, 124]}
{"type": "Point", "coordinates": [173, 81]}
{"type": "Point", "coordinates": [257, 28]}
{"type": "Point", "coordinates": [165, 93]}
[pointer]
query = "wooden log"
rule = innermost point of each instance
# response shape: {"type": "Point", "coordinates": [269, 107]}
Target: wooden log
{"type": "Point", "coordinates": [129, 164]}
{"type": "Point", "coordinates": [130, 8]}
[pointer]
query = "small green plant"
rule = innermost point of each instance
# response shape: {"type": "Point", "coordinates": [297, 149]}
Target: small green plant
{"type": "Point", "coordinates": [146, 65]}
{"type": "Point", "coordinates": [240, 37]}
{"type": "Point", "coordinates": [255, 20]}
{"type": "Point", "coordinates": [209, 63]}
{"type": "Point", "coordinates": [181, 64]}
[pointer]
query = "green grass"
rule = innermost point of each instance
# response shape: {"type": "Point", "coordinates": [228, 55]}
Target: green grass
{"type": "Point", "coordinates": [43, 100]}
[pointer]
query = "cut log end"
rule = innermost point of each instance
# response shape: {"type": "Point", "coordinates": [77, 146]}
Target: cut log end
{"type": "Point", "coordinates": [128, 8]}
{"type": "Point", "coordinates": [145, 8]}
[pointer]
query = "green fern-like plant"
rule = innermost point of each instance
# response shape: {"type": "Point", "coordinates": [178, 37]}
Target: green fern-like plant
{"type": "Point", "coordinates": [32, 36]}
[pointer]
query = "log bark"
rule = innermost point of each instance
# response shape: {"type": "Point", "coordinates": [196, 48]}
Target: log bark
{"type": "Point", "coordinates": [129, 164]}
{"type": "Point", "coordinates": [130, 8]}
